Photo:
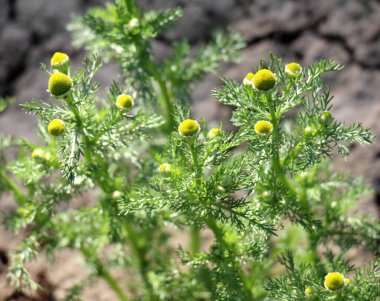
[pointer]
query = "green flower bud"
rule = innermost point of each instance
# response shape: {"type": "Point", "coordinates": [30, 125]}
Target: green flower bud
{"type": "Point", "coordinates": [59, 84]}
{"type": "Point", "coordinates": [188, 128]}
{"type": "Point", "coordinates": [165, 168]}
{"type": "Point", "coordinates": [264, 80]}
{"type": "Point", "coordinates": [293, 70]}
{"type": "Point", "coordinates": [124, 102]}
{"type": "Point", "coordinates": [334, 281]}
{"type": "Point", "coordinates": [263, 128]}
{"type": "Point", "coordinates": [248, 79]}
{"type": "Point", "coordinates": [213, 133]}
{"type": "Point", "coordinates": [308, 291]}
{"type": "Point", "coordinates": [309, 131]}
{"type": "Point", "coordinates": [133, 23]}
{"type": "Point", "coordinates": [60, 61]}
{"type": "Point", "coordinates": [326, 118]}
{"type": "Point", "coordinates": [38, 153]}
{"type": "Point", "coordinates": [56, 127]}
{"type": "Point", "coordinates": [117, 195]}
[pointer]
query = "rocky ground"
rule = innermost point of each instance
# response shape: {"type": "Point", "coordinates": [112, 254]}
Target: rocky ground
{"type": "Point", "coordinates": [308, 30]}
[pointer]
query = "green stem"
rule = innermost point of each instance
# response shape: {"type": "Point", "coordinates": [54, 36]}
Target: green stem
{"type": "Point", "coordinates": [219, 235]}
{"type": "Point", "coordinates": [166, 99]}
{"type": "Point", "coordinates": [275, 151]}
{"type": "Point", "coordinates": [19, 196]}
{"type": "Point", "coordinates": [104, 273]}
{"type": "Point", "coordinates": [195, 239]}
{"type": "Point", "coordinates": [195, 235]}
{"type": "Point", "coordinates": [140, 254]}
{"type": "Point", "coordinates": [276, 164]}
{"type": "Point", "coordinates": [131, 5]}
{"type": "Point", "coordinates": [292, 153]}
{"type": "Point", "coordinates": [194, 156]}
{"type": "Point", "coordinates": [86, 150]}
{"type": "Point", "coordinates": [114, 121]}
{"type": "Point", "coordinates": [169, 108]}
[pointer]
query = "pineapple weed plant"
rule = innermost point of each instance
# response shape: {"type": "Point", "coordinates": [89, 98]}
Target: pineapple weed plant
{"type": "Point", "coordinates": [275, 211]}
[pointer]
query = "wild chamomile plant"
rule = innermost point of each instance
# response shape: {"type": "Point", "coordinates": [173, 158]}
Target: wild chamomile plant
{"type": "Point", "coordinates": [261, 215]}
{"type": "Point", "coordinates": [124, 33]}
{"type": "Point", "coordinates": [246, 186]}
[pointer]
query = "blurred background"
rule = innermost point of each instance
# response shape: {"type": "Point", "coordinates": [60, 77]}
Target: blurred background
{"type": "Point", "coordinates": [297, 30]}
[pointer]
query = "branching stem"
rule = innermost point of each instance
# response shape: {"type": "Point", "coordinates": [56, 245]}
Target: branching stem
{"type": "Point", "coordinates": [104, 273]}
{"type": "Point", "coordinates": [219, 236]}
{"type": "Point", "coordinates": [19, 196]}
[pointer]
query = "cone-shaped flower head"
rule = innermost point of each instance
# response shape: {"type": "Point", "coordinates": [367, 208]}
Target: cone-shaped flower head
{"type": "Point", "coordinates": [60, 61]}
{"type": "Point", "coordinates": [263, 128]}
{"type": "Point", "coordinates": [59, 84]}
{"type": "Point", "coordinates": [164, 168]}
{"type": "Point", "coordinates": [293, 69]}
{"type": "Point", "coordinates": [264, 80]}
{"type": "Point", "coordinates": [188, 128]}
{"type": "Point", "coordinates": [56, 127]}
{"type": "Point", "coordinates": [334, 281]}
{"type": "Point", "coordinates": [248, 79]}
{"type": "Point", "coordinates": [213, 133]}
{"type": "Point", "coordinates": [124, 102]}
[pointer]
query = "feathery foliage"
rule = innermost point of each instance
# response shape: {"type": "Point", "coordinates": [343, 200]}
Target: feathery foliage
{"type": "Point", "coordinates": [261, 214]}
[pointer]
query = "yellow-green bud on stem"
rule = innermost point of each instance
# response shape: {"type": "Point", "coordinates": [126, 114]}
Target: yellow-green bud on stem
{"type": "Point", "coordinates": [60, 62]}
{"type": "Point", "coordinates": [309, 131]}
{"type": "Point", "coordinates": [293, 70]}
{"type": "Point", "coordinates": [133, 23]}
{"type": "Point", "coordinates": [189, 128]}
{"type": "Point", "coordinates": [56, 127]}
{"type": "Point", "coordinates": [248, 79]}
{"type": "Point", "coordinates": [38, 154]}
{"type": "Point", "coordinates": [59, 84]}
{"type": "Point", "coordinates": [165, 168]}
{"type": "Point", "coordinates": [264, 80]}
{"type": "Point", "coordinates": [124, 102]}
{"type": "Point", "coordinates": [213, 133]}
{"type": "Point", "coordinates": [326, 118]}
{"type": "Point", "coordinates": [263, 128]}
{"type": "Point", "coordinates": [308, 291]}
{"type": "Point", "coordinates": [334, 281]}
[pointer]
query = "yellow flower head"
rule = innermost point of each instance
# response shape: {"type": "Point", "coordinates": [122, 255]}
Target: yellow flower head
{"type": "Point", "coordinates": [124, 102]}
{"type": "Point", "coordinates": [308, 291]}
{"type": "Point", "coordinates": [248, 79]}
{"type": "Point", "coordinates": [59, 84]}
{"type": "Point", "coordinates": [347, 281]}
{"type": "Point", "coordinates": [56, 127]}
{"type": "Point", "coordinates": [326, 118]}
{"type": "Point", "coordinates": [60, 61]}
{"type": "Point", "coordinates": [334, 281]}
{"type": "Point", "coordinates": [38, 153]}
{"type": "Point", "coordinates": [293, 70]}
{"type": "Point", "coordinates": [164, 168]}
{"type": "Point", "coordinates": [213, 133]}
{"type": "Point", "coordinates": [264, 80]}
{"type": "Point", "coordinates": [263, 128]}
{"type": "Point", "coordinates": [188, 128]}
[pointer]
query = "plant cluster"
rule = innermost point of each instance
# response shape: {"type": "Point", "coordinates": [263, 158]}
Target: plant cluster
{"type": "Point", "coordinates": [260, 212]}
